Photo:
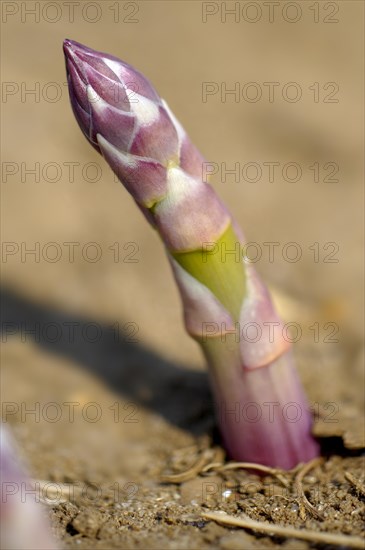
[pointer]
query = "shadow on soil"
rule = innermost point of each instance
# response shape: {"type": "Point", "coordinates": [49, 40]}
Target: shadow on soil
{"type": "Point", "coordinates": [180, 395]}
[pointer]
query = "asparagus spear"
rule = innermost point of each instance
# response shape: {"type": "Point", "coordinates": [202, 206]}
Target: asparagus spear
{"type": "Point", "coordinates": [23, 522]}
{"type": "Point", "coordinates": [261, 407]}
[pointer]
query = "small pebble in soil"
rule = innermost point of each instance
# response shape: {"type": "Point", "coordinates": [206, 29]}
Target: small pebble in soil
{"type": "Point", "coordinates": [202, 490]}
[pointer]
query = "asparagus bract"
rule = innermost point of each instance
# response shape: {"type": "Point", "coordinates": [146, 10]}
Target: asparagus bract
{"type": "Point", "coordinates": [253, 378]}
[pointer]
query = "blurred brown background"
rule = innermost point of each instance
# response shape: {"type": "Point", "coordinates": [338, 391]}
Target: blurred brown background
{"type": "Point", "coordinates": [179, 52]}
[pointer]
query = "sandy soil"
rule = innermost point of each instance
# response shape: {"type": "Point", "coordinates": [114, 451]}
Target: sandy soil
{"type": "Point", "coordinates": [115, 415]}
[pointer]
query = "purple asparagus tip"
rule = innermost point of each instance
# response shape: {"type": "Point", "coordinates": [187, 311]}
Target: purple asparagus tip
{"type": "Point", "coordinates": [114, 100]}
